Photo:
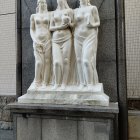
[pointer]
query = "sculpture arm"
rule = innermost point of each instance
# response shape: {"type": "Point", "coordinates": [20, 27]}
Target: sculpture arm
{"type": "Point", "coordinates": [32, 29]}
{"type": "Point", "coordinates": [53, 27]}
{"type": "Point", "coordinates": [61, 27]}
{"type": "Point", "coordinates": [96, 22]}
{"type": "Point", "coordinates": [71, 15]}
{"type": "Point", "coordinates": [74, 18]}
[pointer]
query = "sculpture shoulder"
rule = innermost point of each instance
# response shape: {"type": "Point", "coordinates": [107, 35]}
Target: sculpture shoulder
{"type": "Point", "coordinates": [70, 11]}
{"type": "Point", "coordinates": [76, 10]}
{"type": "Point", "coordinates": [32, 17]}
{"type": "Point", "coordinates": [93, 8]}
{"type": "Point", "coordinates": [50, 13]}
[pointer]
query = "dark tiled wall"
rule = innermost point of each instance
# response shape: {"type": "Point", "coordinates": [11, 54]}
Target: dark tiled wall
{"type": "Point", "coordinates": [106, 58]}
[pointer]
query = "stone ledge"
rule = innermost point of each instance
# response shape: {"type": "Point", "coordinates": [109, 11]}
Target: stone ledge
{"type": "Point", "coordinates": [100, 99]}
{"type": "Point", "coordinates": [54, 109]}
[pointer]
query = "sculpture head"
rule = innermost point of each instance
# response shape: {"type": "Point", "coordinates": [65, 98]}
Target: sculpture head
{"type": "Point", "coordinates": [85, 2]}
{"type": "Point", "coordinates": [62, 3]}
{"type": "Point", "coordinates": [41, 6]}
{"type": "Point", "coordinates": [38, 1]}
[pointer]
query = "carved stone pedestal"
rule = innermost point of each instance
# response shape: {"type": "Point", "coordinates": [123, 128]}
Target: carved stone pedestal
{"type": "Point", "coordinates": [70, 95]}
{"type": "Point", "coordinates": [64, 122]}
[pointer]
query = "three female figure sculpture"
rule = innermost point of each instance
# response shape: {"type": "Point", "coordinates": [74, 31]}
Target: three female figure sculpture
{"type": "Point", "coordinates": [52, 38]}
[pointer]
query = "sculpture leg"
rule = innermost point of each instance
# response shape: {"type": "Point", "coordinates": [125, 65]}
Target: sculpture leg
{"type": "Point", "coordinates": [39, 60]}
{"type": "Point", "coordinates": [95, 74]}
{"type": "Point", "coordinates": [38, 67]}
{"type": "Point", "coordinates": [87, 66]}
{"type": "Point", "coordinates": [66, 61]}
{"type": "Point", "coordinates": [47, 65]}
{"type": "Point", "coordinates": [78, 53]}
{"type": "Point", "coordinates": [96, 79]}
{"type": "Point", "coordinates": [57, 64]}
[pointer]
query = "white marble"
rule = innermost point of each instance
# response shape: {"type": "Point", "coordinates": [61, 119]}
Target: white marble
{"type": "Point", "coordinates": [98, 88]}
{"type": "Point", "coordinates": [41, 36]}
{"type": "Point", "coordinates": [85, 42]}
{"type": "Point", "coordinates": [71, 95]}
{"type": "Point", "coordinates": [65, 48]}
{"type": "Point", "coordinates": [60, 25]}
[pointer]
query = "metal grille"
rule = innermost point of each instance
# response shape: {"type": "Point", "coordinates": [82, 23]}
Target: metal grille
{"type": "Point", "coordinates": [132, 16]}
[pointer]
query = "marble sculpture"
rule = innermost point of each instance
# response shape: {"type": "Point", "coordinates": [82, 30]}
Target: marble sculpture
{"type": "Point", "coordinates": [65, 47]}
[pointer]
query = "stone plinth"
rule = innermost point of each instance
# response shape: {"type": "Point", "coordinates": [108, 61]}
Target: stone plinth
{"type": "Point", "coordinates": [64, 122]}
{"type": "Point", "coordinates": [70, 95]}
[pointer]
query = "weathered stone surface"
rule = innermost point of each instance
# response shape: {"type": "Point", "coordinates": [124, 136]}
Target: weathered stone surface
{"type": "Point", "coordinates": [6, 135]}
{"type": "Point", "coordinates": [5, 125]}
{"type": "Point", "coordinates": [107, 76]}
{"type": "Point", "coordinates": [6, 116]}
{"type": "Point", "coordinates": [34, 129]}
{"type": "Point", "coordinates": [53, 129]}
{"type": "Point", "coordinates": [65, 122]}
{"type": "Point", "coordinates": [27, 47]}
{"type": "Point", "coordinates": [94, 129]}
{"type": "Point", "coordinates": [106, 9]}
{"type": "Point", "coordinates": [134, 104]}
{"type": "Point", "coordinates": [60, 109]}
{"type": "Point", "coordinates": [7, 7]}
{"type": "Point", "coordinates": [22, 131]}
{"type": "Point", "coordinates": [6, 132]}
{"type": "Point", "coordinates": [28, 128]}
{"type": "Point", "coordinates": [63, 129]}
{"type": "Point", "coordinates": [26, 13]}
{"type": "Point", "coordinates": [28, 62]}
{"type": "Point", "coordinates": [28, 74]}
{"type": "Point", "coordinates": [134, 125]}
{"type": "Point", "coordinates": [106, 43]}
{"type": "Point", "coordinates": [4, 113]}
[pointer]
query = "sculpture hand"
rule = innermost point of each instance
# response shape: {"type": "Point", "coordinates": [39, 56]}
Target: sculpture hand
{"type": "Point", "coordinates": [44, 46]}
{"type": "Point", "coordinates": [93, 25]}
{"type": "Point", "coordinates": [38, 43]}
{"type": "Point", "coordinates": [90, 21]}
{"type": "Point", "coordinates": [64, 26]}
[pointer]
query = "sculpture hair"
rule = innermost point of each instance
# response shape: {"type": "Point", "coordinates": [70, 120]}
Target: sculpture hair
{"type": "Point", "coordinates": [88, 2]}
{"type": "Point", "coordinates": [45, 5]}
{"type": "Point", "coordinates": [65, 5]}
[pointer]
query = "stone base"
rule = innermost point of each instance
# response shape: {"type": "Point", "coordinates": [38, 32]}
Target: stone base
{"type": "Point", "coordinates": [64, 122]}
{"type": "Point", "coordinates": [71, 95]}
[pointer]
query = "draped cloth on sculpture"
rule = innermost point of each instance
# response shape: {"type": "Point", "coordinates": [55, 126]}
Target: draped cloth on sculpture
{"type": "Point", "coordinates": [39, 53]}
{"type": "Point", "coordinates": [59, 44]}
{"type": "Point", "coordinates": [61, 40]}
{"type": "Point", "coordinates": [85, 43]}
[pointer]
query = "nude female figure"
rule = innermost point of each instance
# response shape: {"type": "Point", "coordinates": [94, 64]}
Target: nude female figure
{"type": "Point", "coordinates": [61, 22]}
{"type": "Point", "coordinates": [40, 34]}
{"type": "Point", "coordinates": [85, 40]}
